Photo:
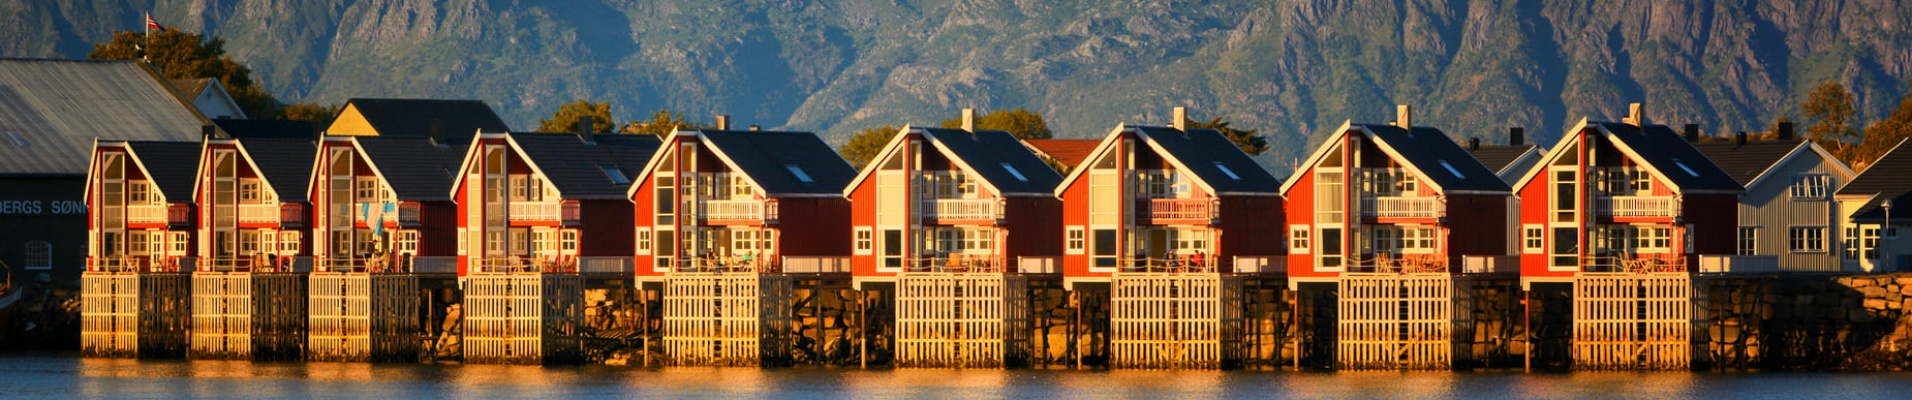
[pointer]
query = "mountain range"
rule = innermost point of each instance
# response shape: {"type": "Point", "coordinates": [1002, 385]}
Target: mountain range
{"type": "Point", "coordinates": [1293, 70]}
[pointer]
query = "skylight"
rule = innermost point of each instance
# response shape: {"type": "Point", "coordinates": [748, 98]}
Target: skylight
{"type": "Point", "coordinates": [798, 171]}
{"type": "Point", "coordinates": [1451, 170]}
{"type": "Point", "coordinates": [1683, 167]}
{"type": "Point", "coordinates": [615, 175]}
{"type": "Point", "coordinates": [1226, 171]}
{"type": "Point", "coordinates": [16, 139]}
{"type": "Point", "coordinates": [1012, 171]}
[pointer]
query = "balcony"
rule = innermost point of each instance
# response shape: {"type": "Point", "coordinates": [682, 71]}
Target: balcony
{"type": "Point", "coordinates": [970, 209]}
{"type": "Point", "coordinates": [292, 214]}
{"type": "Point", "coordinates": [265, 213]}
{"type": "Point", "coordinates": [1637, 206]}
{"type": "Point", "coordinates": [408, 214]}
{"type": "Point", "coordinates": [179, 215]}
{"type": "Point", "coordinates": [534, 211]}
{"type": "Point", "coordinates": [1401, 207]}
{"type": "Point", "coordinates": [149, 214]}
{"type": "Point", "coordinates": [734, 210]}
{"type": "Point", "coordinates": [1618, 261]}
{"type": "Point", "coordinates": [816, 265]}
{"type": "Point", "coordinates": [1174, 264]}
{"type": "Point", "coordinates": [1185, 209]}
{"type": "Point", "coordinates": [1274, 265]}
{"type": "Point", "coordinates": [955, 263]}
{"type": "Point", "coordinates": [1490, 264]}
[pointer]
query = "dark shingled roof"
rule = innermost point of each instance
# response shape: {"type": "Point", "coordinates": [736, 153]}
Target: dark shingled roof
{"type": "Point", "coordinates": [415, 168]}
{"type": "Point", "coordinates": [1746, 162]}
{"type": "Point", "coordinates": [1069, 152]}
{"type": "Point", "coordinates": [1498, 157]}
{"type": "Point", "coordinates": [172, 164]}
{"type": "Point", "coordinates": [191, 88]}
{"type": "Point", "coordinates": [1427, 148]}
{"type": "Point", "coordinates": [1667, 151]}
{"type": "Point", "coordinates": [577, 169]}
{"type": "Point", "coordinates": [1890, 178]}
{"type": "Point", "coordinates": [987, 151]}
{"type": "Point", "coordinates": [265, 128]}
{"type": "Point", "coordinates": [285, 163]}
{"type": "Point", "coordinates": [1204, 151]}
{"type": "Point", "coordinates": [412, 117]}
{"type": "Point", "coordinates": [764, 155]}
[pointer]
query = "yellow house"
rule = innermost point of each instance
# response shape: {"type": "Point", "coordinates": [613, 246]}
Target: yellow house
{"type": "Point", "coordinates": [414, 118]}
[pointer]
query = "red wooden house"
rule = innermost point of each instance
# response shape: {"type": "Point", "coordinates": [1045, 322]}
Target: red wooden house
{"type": "Point", "coordinates": [251, 191]}
{"type": "Point", "coordinates": [1394, 198]}
{"type": "Point", "coordinates": [386, 198]}
{"type": "Point", "coordinates": [713, 200]}
{"type": "Point", "coordinates": [140, 206]}
{"type": "Point", "coordinates": [953, 200]}
{"type": "Point", "coordinates": [1623, 196]}
{"type": "Point", "coordinates": [544, 202]}
{"type": "Point", "coordinates": [1151, 198]}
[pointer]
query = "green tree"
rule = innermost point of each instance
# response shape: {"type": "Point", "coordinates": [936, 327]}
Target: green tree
{"type": "Point", "coordinates": [1023, 124]}
{"type": "Point", "coordinates": [568, 114]}
{"type": "Point", "coordinates": [866, 144]}
{"type": "Point", "coordinates": [1246, 139]}
{"type": "Point", "coordinates": [180, 54]}
{"type": "Point", "coordinates": [661, 124]}
{"type": "Point", "coordinates": [319, 115]}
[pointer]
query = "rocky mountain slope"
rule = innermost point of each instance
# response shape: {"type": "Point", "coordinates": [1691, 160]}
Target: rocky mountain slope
{"type": "Point", "coordinates": [1293, 69]}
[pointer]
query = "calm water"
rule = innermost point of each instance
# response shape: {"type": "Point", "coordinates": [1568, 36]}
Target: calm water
{"type": "Point", "coordinates": [69, 377]}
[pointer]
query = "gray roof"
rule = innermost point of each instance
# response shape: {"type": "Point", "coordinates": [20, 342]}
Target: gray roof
{"type": "Point", "coordinates": [191, 88]}
{"type": "Point", "coordinates": [413, 117]}
{"type": "Point", "coordinates": [285, 163]}
{"type": "Point", "coordinates": [1205, 151]}
{"type": "Point", "coordinates": [1446, 163]}
{"type": "Point", "coordinates": [1499, 157]}
{"type": "Point", "coordinates": [766, 157]}
{"type": "Point", "coordinates": [172, 164]}
{"type": "Point", "coordinates": [52, 110]}
{"type": "Point", "coordinates": [578, 169]}
{"type": "Point", "coordinates": [987, 151]}
{"type": "Point", "coordinates": [416, 168]}
{"type": "Point", "coordinates": [1746, 161]}
{"type": "Point", "coordinates": [1890, 178]}
{"type": "Point", "coordinates": [1670, 153]}
{"type": "Point", "coordinates": [266, 128]}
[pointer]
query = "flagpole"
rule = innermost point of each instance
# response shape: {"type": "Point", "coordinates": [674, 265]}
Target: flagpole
{"type": "Point", "coordinates": [148, 23]}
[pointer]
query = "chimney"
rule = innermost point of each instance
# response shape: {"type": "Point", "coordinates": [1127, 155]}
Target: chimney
{"type": "Point", "coordinates": [969, 119]}
{"type": "Point", "coordinates": [1516, 136]}
{"type": "Point", "coordinates": [1692, 133]}
{"type": "Point", "coordinates": [1401, 115]}
{"type": "Point", "coordinates": [1785, 131]}
{"type": "Point", "coordinates": [436, 131]}
{"type": "Point", "coordinates": [1473, 143]}
{"type": "Point", "coordinates": [1635, 115]}
{"type": "Point", "coordinates": [754, 128]}
{"type": "Point", "coordinates": [586, 125]}
{"type": "Point", "coordinates": [208, 131]}
{"type": "Point", "coordinates": [585, 133]}
{"type": "Point", "coordinates": [1740, 137]}
{"type": "Point", "coordinates": [723, 122]}
{"type": "Point", "coordinates": [1181, 118]}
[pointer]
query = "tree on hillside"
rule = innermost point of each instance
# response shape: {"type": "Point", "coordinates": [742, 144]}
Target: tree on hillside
{"type": "Point", "coordinates": [568, 114]}
{"type": "Point", "coordinates": [180, 54]}
{"type": "Point", "coordinates": [661, 124]}
{"type": "Point", "coordinates": [1883, 135]}
{"type": "Point", "coordinates": [1246, 139]}
{"type": "Point", "coordinates": [1830, 108]}
{"type": "Point", "coordinates": [320, 116]}
{"type": "Point", "coordinates": [1023, 124]}
{"type": "Point", "coordinates": [866, 144]}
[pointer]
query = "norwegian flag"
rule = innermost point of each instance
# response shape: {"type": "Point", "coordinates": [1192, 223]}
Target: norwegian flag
{"type": "Point", "coordinates": [152, 25]}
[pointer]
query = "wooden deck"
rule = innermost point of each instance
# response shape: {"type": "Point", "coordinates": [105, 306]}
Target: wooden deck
{"type": "Point", "coordinates": [1175, 320]}
{"type": "Point", "coordinates": [523, 318]}
{"type": "Point", "coordinates": [134, 315]}
{"type": "Point", "coordinates": [359, 317]}
{"type": "Point", "coordinates": [727, 319]}
{"type": "Point", "coordinates": [962, 320]}
{"type": "Point", "coordinates": [1400, 321]}
{"type": "Point", "coordinates": [1633, 321]}
{"type": "Point", "coordinates": [243, 315]}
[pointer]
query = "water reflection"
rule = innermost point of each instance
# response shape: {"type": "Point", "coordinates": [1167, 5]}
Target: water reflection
{"type": "Point", "coordinates": [66, 377]}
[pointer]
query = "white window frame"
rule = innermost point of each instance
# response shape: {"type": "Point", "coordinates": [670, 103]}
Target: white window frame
{"type": "Point", "coordinates": [1809, 186]}
{"type": "Point", "coordinates": [642, 245]}
{"type": "Point", "coordinates": [864, 240]}
{"type": "Point", "coordinates": [1748, 240]}
{"type": "Point", "coordinates": [1075, 240]}
{"type": "Point", "coordinates": [1800, 240]}
{"type": "Point", "coordinates": [1533, 239]}
{"type": "Point", "coordinates": [1299, 239]}
{"type": "Point", "coordinates": [568, 242]}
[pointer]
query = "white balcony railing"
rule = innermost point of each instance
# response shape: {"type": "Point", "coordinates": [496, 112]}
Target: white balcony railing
{"type": "Point", "coordinates": [816, 265]}
{"type": "Point", "coordinates": [749, 209]}
{"type": "Point", "coordinates": [1261, 264]}
{"type": "Point", "coordinates": [1401, 207]}
{"type": "Point", "coordinates": [1178, 209]}
{"type": "Point", "coordinates": [258, 213]}
{"type": "Point", "coordinates": [152, 214]}
{"type": "Point", "coordinates": [1490, 264]}
{"type": "Point", "coordinates": [605, 265]}
{"type": "Point", "coordinates": [435, 265]}
{"type": "Point", "coordinates": [1637, 206]}
{"type": "Point", "coordinates": [534, 211]}
{"type": "Point", "coordinates": [961, 209]}
{"type": "Point", "coordinates": [1739, 264]}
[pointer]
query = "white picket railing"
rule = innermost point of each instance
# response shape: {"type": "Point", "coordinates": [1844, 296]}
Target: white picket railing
{"type": "Point", "coordinates": [1401, 207]}
{"type": "Point", "coordinates": [748, 209]}
{"type": "Point", "coordinates": [961, 209]}
{"type": "Point", "coordinates": [146, 214]}
{"type": "Point", "coordinates": [1179, 209]}
{"type": "Point", "coordinates": [258, 213]}
{"type": "Point", "coordinates": [1638, 206]}
{"type": "Point", "coordinates": [534, 211]}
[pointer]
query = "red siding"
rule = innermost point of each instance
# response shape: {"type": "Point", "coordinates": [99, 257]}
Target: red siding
{"type": "Point", "coordinates": [1250, 226]}
{"type": "Point", "coordinates": [1300, 205]}
{"type": "Point", "coordinates": [863, 215]}
{"type": "Point", "coordinates": [813, 226]}
{"type": "Point", "coordinates": [1075, 212]}
{"type": "Point", "coordinates": [1033, 228]}
{"type": "Point", "coordinates": [605, 228]}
